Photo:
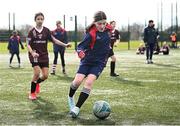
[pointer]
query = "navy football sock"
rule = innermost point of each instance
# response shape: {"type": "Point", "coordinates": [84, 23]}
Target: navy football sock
{"type": "Point", "coordinates": [72, 90]}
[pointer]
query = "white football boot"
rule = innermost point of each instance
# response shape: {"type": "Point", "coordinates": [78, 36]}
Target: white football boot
{"type": "Point", "coordinates": [74, 112]}
{"type": "Point", "coordinates": [71, 103]}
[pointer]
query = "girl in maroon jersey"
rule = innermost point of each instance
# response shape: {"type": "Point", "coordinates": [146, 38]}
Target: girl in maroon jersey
{"type": "Point", "coordinates": [38, 55]}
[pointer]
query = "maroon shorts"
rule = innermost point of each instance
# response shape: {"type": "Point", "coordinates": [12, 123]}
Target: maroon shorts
{"type": "Point", "coordinates": [41, 65]}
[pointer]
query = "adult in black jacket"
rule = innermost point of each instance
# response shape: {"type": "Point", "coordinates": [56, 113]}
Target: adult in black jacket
{"type": "Point", "coordinates": [150, 39]}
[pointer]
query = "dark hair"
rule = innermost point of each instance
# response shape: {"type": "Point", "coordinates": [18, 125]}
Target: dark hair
{"type": "Point", "coordinates": [112, 22]}
{"type": "Point", "coordinates": [58, 22]}
{"type": "Point", "coordinates": [99, 15]}
{"type": "Point", "coordinates": [151, 21]}
{"type": "Point", "coordinates": [14, 32]}
{"type": "Point", "coordinates": [38, 14]}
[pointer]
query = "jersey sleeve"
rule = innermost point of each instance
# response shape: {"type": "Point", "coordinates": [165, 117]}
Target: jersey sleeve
{"type": "Point", "coordinates": [49, 35]}
{"type": "Point", "coordinates": [117, 34]}
{"type": "Point", "coordinates": [145, 35]}
{"type": "Point", "coordinates": [9, 43]}
{"type": "Point", "coordinates": [85, 43]}
{"type": "Point", "coordinates": [29, 38]}
{"type": "Point", "coordinates": [20, 42]}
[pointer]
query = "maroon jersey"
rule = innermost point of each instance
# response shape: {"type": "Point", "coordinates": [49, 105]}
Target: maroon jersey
{"type": "Point", "coordinates": [114, 36]}
{"type": "Point", "coordinates": [38, 41]}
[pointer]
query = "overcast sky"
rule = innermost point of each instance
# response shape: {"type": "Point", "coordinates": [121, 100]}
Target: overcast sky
{"type": "Point", "coordinates": [118, 10]}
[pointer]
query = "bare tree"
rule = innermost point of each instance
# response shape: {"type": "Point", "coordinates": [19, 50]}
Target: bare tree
{"type": "Point", "coordinates": [136, 31]}
{"type": "Point", "coordinates": [24, 29]}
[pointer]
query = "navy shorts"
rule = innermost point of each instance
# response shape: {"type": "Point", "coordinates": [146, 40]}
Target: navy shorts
{"type": "Point", "coordinates": [41, 65]}
{"type": "Point", "coordinates": [90, 69]}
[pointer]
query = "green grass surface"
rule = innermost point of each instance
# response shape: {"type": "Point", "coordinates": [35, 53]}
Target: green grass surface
{"type": "Point", "coordinates": [144, 94]}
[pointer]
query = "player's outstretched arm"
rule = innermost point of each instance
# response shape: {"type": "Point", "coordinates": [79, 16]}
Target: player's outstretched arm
{"type": "Point", "coordinates": [59, 42]}
{"type": "Point", "coordinates": [22, 46]}
{"type": "Point", "coordinates": [116, 43]}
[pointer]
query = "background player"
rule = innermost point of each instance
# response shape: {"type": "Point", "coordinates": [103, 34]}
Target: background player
{"type": "Point", "coordinates": [38, 38]}
{"type": "Point", "coordinates": [13, 47]}
{"type": "Point", "coordinates": [60, 34]}
{"type": "Point", "coordinates": [115, 38]}
{"type": "Point", "coordinates": [150, 39]}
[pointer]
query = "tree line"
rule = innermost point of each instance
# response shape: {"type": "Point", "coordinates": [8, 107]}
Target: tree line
{"type": "Point", "coordinates": [131, 32]}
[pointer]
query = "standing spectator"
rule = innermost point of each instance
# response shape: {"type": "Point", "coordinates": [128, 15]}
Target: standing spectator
{"type": "Point", "coordinates": [60, 34]}
{"type": "Point", "coordinates": [174, 40]}
{"type": "Point", "coordinates": [150, 38]}
{"type": "Point", "coordinates": [13, 47]}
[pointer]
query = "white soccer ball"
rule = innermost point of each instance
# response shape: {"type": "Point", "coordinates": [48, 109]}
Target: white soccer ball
{"type": "Point", "coordinates": [101, 109]}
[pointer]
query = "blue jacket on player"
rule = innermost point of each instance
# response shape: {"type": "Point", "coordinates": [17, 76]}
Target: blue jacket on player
{"type": "Point", "coordinates": [13, 44]}
{"type": "Point", "coordinates": [61, 35]}
{"type": "Point", "coordinates": [95, 53]}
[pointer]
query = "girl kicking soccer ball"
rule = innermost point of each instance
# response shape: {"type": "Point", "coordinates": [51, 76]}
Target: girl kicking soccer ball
{"type": "Point", "coordinates": [93, 52]}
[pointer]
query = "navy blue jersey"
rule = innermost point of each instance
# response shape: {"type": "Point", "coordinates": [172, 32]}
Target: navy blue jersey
{"type": "Point", "coordinates": [61, 35]}
{"type": "Point", "coordinates": [97, 55]}
{"type": "Point", "coordinates": [13, 45]}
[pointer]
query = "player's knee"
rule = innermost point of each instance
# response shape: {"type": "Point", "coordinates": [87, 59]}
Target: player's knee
{"type": "Point", "coordinates": [36, 75]}
{"type": "Point", "coordinates": [45, 77]}
{"type": "Point", "coordinates": [114, 59]}
{"type": "Point", "coordinates": [77, 82]}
